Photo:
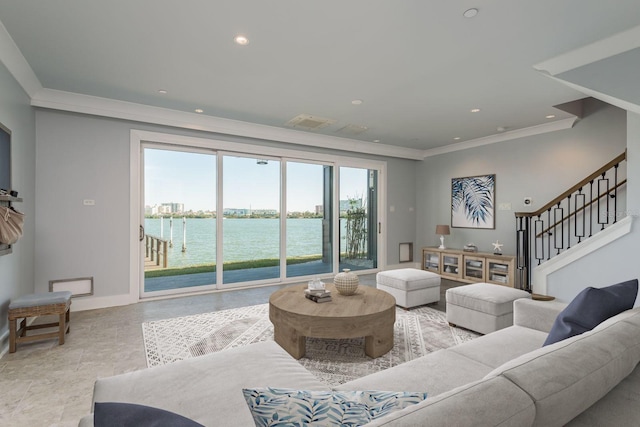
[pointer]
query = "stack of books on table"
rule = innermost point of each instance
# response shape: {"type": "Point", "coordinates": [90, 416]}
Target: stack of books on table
{"type": "Point", "coordinates": [318, 295]}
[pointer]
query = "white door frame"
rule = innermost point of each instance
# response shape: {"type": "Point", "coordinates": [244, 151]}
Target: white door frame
{"type": "Point", "coordinates": [137, 137]}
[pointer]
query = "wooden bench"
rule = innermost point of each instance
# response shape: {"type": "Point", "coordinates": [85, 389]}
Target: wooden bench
{"type": "Point", "coordinates": [34, 305]}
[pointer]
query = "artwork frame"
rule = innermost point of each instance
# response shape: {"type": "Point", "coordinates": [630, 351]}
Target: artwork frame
{"type": "Point", "coordinates": [473, 202]}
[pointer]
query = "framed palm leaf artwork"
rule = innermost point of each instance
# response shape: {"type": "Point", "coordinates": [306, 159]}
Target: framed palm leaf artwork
{"type": "Point", "coordinates": [472, 201]}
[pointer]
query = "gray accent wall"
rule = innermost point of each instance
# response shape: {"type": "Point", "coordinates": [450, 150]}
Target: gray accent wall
{"type": "Point", "coordinates": [541, 167]}
{"type": "Point", "coordinates": [16, 269]}
{"type": "Point", "coordinates": [87, 157]}
{"type": "Point", "coordinates": [82, 157]}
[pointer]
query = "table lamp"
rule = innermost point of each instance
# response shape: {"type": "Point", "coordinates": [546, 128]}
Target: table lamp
{"type": "Point", "coordinates": [442, 230]}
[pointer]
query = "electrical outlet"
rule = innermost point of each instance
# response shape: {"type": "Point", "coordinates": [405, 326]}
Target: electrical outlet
{"type": "Point", "coordinates": [504, 206]}
{"type": "Point", "coordinates": [89, 202]}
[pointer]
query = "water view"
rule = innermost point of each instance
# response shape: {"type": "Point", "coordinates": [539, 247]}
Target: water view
{"type": "Point", "coordinates": [262, 234]}
{"type": "Point", "coordinates": [249, 193]}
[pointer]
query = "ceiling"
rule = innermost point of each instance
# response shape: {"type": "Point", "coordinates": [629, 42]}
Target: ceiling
{"type": "Point", "coordinates": [418, 67]}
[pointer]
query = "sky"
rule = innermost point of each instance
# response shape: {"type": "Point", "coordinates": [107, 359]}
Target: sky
{"type": "Point", "coordinates": [190, 178]}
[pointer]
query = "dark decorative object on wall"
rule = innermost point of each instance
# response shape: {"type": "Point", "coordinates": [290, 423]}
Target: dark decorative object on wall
{"type": "Point", "coordinates": [472, 202]}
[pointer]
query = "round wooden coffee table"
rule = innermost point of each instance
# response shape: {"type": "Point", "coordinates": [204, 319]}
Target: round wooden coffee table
{"type": "Point", "coordinates": [369, 313]}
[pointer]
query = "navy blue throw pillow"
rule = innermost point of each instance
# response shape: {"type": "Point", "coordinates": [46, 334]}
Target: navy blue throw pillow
{"type": "Point", "coordinates": [591, 307]}
{"type": "Point", "coordinates": [113, 414]}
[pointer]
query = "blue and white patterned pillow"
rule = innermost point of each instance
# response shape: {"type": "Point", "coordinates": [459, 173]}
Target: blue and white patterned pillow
{"type": "Point", "coordinates": [289, 407]}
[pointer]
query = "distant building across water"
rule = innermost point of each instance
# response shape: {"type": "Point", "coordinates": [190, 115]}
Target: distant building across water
{"type": "Point", "coordinates": [164, 208]}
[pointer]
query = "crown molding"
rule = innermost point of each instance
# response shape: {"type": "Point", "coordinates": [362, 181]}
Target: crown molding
{"type": "Point", "coordinates": [74, 102]}
{"type": "Point", "coordinates": [17, 65]}
{"type": "Point", "coordinates": [505, 136]}
{"type": "Point", "coordinates": [593, 52]}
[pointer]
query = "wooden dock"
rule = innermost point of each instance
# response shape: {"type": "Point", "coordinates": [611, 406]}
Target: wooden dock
{"type": "Point", "coordinates": [150, 265]}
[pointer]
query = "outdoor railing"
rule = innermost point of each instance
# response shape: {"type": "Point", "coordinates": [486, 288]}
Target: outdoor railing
{"type": "Point", "coordinates": [156, 250]}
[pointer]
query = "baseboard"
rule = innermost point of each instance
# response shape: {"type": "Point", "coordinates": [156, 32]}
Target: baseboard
{"type": "Point", "coordinates": [92, 303]}
{"type": "Point", "coordinates": [5, 347]}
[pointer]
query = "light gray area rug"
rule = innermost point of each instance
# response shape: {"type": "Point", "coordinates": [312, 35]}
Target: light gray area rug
{"type": "Point", "coordinates": [417, 332]}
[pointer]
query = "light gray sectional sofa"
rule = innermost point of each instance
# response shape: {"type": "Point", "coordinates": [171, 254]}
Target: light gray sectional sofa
{"type": "Point", "coordinates": [505, 378]}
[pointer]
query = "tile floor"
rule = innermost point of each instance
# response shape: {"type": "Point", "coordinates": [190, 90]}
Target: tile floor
{"type": "Point", "coordinates": [44, 384]}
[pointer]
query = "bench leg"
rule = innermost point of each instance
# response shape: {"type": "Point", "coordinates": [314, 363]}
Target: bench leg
{"type": "Point", "coordinates": [62, 327]}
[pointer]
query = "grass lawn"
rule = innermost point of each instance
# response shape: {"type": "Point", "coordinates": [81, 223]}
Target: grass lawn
{"type": "Point", "coordinates": [238, 265]}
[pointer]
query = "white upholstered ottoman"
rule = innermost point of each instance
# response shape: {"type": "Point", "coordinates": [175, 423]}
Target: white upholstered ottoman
{"type": "Point", "coordinates": [482, 307]}
{"type": "Point", "coordinates": [410, 287]}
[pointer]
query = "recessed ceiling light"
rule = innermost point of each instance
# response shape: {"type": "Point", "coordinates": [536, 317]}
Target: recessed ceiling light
{"type": "Point", "coordinates": [551, 116]}
{"type": "Point", "coordinates": [162, 91]}
{"type": "Point", "coordinates": [501, 128]}
{"type": "Point", "coordinates": [241, 40]}
{"type": "Point", "coordinates": [475, 110]}
{"type": "Point", "coordinates": [457, 138]}
{"type": "Point", "coordinates": [470, 13]}
{"type": "Point", "coordinates": [199, 110]}
{"type": "Point", "coordinates": [376, 140]}
{"type": "Point", "coordinates": [356, 101]}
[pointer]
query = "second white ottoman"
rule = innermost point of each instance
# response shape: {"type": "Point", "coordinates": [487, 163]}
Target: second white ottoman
{"type": "Point", "coordinates": [482, 307]}
{"type": "Point", "coordinates": [410, 287]}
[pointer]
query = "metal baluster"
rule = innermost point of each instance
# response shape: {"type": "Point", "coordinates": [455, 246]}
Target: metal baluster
{"type": "Point", "coordinates": [615, 194]}
{"type": "Point", "coordinates": [538, 227]}
{"type": "Point", "coordinates": [580, 196]}
{"type": "Point", "coordinates": [568, 221]}
{"type": "Point", "coordinates": [549, 234]}
{"type": "Point", "coordinates": [603, 181]}
{"type": "Point", "coordinates": [557, 210]}
{"type": "Point", "coordinates": [591, 208]}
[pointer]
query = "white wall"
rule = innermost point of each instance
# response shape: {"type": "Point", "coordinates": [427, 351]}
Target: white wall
{"type": "Point", "coordinates": [541, 166]}
{"type": "Point", "coordinates": [16, 269]}
{"type": "Point", "coordinates": [85, 157]}
{"type": "Point", "coordinates": [618, 261]}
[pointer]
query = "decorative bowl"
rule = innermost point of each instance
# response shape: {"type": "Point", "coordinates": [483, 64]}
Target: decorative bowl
{"type": "Point", "coordinates": [346, 283]}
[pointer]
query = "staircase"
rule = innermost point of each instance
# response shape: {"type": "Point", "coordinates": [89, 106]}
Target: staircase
{"type": "Point", "coordinates": [574, 216]}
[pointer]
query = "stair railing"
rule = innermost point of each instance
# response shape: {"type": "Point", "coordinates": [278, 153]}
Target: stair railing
{"type": "Point", "coordinates": [583, 210]}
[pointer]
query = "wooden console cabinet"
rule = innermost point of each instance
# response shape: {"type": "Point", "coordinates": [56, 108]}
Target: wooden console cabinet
{"type": "Point", "coordinates": [470, 267]}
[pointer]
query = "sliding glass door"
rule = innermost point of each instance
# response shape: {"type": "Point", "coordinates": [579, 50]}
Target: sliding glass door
{"type": "Point", "coordinates": [221, 219]}
{"type": "Point", "coordinates": [251, 225]}
{"type": "Point", "coordinates": [358, 218]}
{"type": "Point", "coordinates": [309, 221]}
{"type": "Point", "coordinates": [179, 219]}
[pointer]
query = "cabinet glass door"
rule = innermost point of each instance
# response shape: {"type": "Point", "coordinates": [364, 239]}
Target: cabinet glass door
{"type": "Point", "coordinates": [451, 265]}
{"type": "Point", "coordinates": [500, 272]}
{"type": "Point", "coordinates": [473, 268]}
{"type": "Point", "coordinates": [431, 261]}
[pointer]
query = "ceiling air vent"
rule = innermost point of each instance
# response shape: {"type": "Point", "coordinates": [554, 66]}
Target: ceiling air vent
{"type": "Point", "coordinates": [307, 122]}
{"type": "Point", "coordinates": [352, 130]}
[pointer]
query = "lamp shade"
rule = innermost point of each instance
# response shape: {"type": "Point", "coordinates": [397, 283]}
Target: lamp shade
{"type": "Point", "coordinates": [442, 230]}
